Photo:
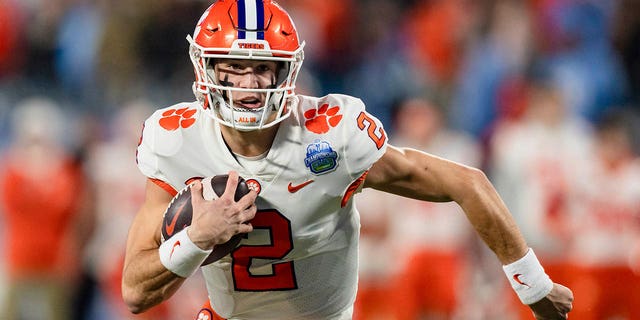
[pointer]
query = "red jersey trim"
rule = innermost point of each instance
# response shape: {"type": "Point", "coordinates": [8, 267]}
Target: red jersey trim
{"type": "Point", "coordinates": [165, 186]}
{"type": "Point", "coordinates": [352, 189]}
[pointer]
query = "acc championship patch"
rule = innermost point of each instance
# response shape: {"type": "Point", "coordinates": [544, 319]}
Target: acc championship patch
{"type": "Point", "coordinates": [320, 157]}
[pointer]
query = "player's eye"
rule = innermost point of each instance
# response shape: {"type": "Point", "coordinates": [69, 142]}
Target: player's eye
{"type": "Point", "coordinates": [262, 68]}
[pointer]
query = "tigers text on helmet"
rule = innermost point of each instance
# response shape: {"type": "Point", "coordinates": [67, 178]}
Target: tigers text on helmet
{"type": "Point", "coordinates": [258, 30]}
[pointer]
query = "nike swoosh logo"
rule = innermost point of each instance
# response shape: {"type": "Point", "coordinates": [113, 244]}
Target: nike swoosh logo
{"type": "Point", "coordinates": [294, 189]}
{"type": "Point", "coordinates": [517, 276]}
{"type": "Point", "coordinates": [172, 224]}
{"type": "Point", "coordinates": [175, 245]}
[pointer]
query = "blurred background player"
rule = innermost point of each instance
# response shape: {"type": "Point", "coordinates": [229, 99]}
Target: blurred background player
{"type": "Point", "coordinates": [119, 190]}
{"type": "Point", "coordinates": [431, 242]}
{"type": "Point", "coordinates": [435, 238]}
{"type": "Point", "coordinates": [605, 223]}
{"type": "Point", "coordinates": [45, 214]}
{"type": "Point", "coordinates": [534, 161]}
{"type": "Point", "coordinates": [116, 181]}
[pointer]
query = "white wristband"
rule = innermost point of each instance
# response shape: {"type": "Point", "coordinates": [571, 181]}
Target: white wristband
{"type": "Point", "coordinates": [180, 255]}
{"type": "Point", "coordinates": [528, 279]}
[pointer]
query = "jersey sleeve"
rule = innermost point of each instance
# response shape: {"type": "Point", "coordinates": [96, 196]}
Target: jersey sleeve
{"type": "Point", "coordinates": [365, 139]}
{"type": "Point", "coordinates": [157, 143]}
{"type": "Point", "coordinates": [146, 157]}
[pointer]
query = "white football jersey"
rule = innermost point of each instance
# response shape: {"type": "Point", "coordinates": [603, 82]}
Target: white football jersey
{"type": "Point", "coordinates": [605, 214]}
{"type": "Point", "coordinates": [300, 262]}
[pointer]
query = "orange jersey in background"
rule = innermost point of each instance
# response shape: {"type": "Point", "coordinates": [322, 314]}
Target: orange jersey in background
{"type": "Point", "coordinates": [38, 213]}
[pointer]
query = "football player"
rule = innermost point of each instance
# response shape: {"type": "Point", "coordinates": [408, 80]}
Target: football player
{"type": "Point", "coordinates": [304, 157]}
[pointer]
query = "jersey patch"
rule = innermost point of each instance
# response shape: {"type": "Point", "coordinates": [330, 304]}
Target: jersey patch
{"type": "Point", "coordinates": [321, 158]}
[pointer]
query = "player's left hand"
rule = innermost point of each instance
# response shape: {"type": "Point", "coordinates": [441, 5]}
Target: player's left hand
{"type": "Point", "coordinates": [555, 305]}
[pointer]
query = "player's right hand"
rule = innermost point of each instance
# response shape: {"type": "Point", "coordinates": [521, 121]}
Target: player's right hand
{"type": "Point", "coordinates": [556, 305]}
{"type": "Point", "coordinates": [216, 221]}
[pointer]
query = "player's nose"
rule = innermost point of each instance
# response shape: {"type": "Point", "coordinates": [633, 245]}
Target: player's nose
{"type": "Point", "coordinates": [249, 80]}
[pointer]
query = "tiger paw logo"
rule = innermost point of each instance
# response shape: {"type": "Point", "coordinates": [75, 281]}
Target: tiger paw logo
{"type": "Point", "coordinates": [173, 119]}
{"type": "Point", "coordinates": [323, 119]}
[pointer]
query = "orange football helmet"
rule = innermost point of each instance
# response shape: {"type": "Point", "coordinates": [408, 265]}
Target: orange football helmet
{"type": "Point", "coordinates": [245, 29]}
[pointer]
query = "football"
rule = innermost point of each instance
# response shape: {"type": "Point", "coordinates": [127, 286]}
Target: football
{"type": "Point", "coordinates": [179, 212]}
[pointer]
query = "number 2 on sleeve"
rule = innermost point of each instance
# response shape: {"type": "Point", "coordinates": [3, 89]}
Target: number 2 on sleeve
{"type": "Point", "coordinates": [365, 121]}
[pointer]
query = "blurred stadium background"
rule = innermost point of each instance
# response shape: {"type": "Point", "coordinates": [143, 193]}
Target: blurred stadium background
{"type": "Point", "coordinates": [541, 94]}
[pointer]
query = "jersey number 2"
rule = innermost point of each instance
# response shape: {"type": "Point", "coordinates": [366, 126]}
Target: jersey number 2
{"type": "Point", "coordinates": [365, 121]}
{"type": "Point", "coordinates": [283, 273]}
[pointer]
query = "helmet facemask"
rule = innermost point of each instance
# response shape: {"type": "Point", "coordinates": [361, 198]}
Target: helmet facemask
{"type": "Point", "coordinates": [217, 96]}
